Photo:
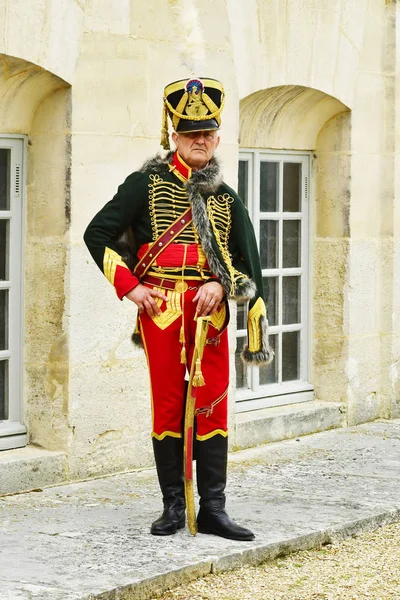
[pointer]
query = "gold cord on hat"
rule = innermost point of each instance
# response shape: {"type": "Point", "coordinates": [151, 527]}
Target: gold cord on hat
{"type": "Point", "coordinates": [213, 115]}
{"type": "Point", "coordinates": [164, 128]}
{"type": "Point", "coordinates": [179, 110]}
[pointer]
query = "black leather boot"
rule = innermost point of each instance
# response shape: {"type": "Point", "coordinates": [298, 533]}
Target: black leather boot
{"type": "Point", "coordinates": [212, 456]}
{"type": "Point", "coordinates": [169, 461]}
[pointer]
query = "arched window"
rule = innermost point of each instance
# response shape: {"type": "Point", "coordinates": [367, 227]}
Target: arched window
{"type": "Point", "coordinates": [275, 188]}
{"type": "Point", "coordinates": [12, 432]}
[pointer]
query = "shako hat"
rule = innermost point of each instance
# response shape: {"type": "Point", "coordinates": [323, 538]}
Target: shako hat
{"type": "Point", "coordinates": [192, 105]}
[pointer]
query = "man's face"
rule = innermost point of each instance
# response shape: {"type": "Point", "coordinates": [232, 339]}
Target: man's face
{"type": "Point", "coordinates": [196, 148]}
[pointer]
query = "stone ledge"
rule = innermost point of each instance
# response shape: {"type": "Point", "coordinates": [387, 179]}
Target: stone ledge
{"type": "Point", "coordinates": [77, 531]}
{"type": "Point", "coordinates": [285, 422]}
{"type": "Point", "coordinates": [159, 584]}
{"type": "Point", "coordinates": [30, 468]}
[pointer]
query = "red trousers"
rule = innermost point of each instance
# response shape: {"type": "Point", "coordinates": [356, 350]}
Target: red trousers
{"type": "Point", "coordinates": [163, 341]}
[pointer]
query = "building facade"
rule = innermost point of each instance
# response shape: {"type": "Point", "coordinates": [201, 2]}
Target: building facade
{"type": "Point", "coordinates": [310, 137]}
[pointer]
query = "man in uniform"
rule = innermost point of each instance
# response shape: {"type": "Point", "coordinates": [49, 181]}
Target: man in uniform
{"type": "Point", "coordinates": [187, 264]}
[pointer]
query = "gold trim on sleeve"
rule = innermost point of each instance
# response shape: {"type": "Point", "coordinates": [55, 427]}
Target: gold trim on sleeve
{"type": "Point", "coordinates": [253, 323]}
{"type": "Point", "coordinates": [111, 261]}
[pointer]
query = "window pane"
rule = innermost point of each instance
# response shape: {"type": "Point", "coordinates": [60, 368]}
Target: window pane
{"type": "Point", "coordinates": [291, 187]}
{"type": "Point", "coordinates": [291, 244]}
{"type": "Point", "coordinates": [269, 188]}
{"type": "Point", "coordinates": [3, 319]}
{"type": "Point", "coordinates": [291, 300]}
{"type": "Point", "coordinates": [270, 287]}
{"type": "Point", "coordinates": [269, 244]}
{"type": "Point", "coordinates": [4, 249]}
{"type": "Point", "coordinates": [241, 369]}
{"type": "Point", "coordinates": [269, 373]}
{"type": "Point", "coordinates": [3, 390]}
{"type": "Point", "coordinates": [290, 355]}
{"type": "Point", "coordinates": [243, 180]}
{"type": "Point", "coordinates": [4, 180]}
{"type": "Point", "coordinates": [241, 318]}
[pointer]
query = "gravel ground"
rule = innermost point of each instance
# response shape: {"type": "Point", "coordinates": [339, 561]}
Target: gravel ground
{"type": "Point", "coordinates": [363, 567]}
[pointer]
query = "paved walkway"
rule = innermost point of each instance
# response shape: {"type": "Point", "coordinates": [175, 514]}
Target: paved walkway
{"type": "Point", "coordinates": [91, 540]}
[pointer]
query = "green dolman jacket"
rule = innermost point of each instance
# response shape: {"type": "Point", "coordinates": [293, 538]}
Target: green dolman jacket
{"type": "Point", "coordinates": [151, 199]}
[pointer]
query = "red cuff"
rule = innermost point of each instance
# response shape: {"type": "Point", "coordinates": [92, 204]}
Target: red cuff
{"type": "Point", "coordinates": [124, 281]}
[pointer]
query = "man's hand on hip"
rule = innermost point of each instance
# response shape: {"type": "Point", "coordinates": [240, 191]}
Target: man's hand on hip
{"type": "Point", "coordinates": [208, 298]}
{"type": "Point", "coordinates": [143, 297]}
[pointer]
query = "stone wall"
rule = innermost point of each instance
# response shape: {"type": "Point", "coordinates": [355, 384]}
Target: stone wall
{"type": "Point", "coordinates": [330, 253]}
{"type": "Point", "coordinates": [46, 292]}
{"type": "Point", "coordinates": [320, 76]}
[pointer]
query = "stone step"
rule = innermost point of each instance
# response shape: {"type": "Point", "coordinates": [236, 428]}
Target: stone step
{"type": "Point", "coordinates": [30, 468]}
{"type": "Point", "coordinates": [285, 422]}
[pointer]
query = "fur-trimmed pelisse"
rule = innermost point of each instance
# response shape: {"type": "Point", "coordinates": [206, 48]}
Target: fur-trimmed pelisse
{"type": "Point", "coordinates": [202, 184]}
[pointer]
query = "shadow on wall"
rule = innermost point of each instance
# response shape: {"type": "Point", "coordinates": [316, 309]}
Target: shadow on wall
{"type": "Point", "coordinates": [286, 117]}
{"type": "Point", "coordinates": [23, 86]}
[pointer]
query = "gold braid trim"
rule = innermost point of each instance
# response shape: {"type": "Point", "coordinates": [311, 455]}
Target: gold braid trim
{"type": "Point", "coordinates": [214, 115]}
{"type": "Point", "coordinates": [253, 323]}
{"type": "Point", "coordinates": [207, 436]}
{"type": "Point", "coordinates": [219, 213]}
{"type": "Point", "coordinates": [172, 311]}
{"type": "Point", "coordinates": [111, 260]}
{"type": "Point", "coordinates": [208, 410]}
{"type": "Point", "coordinates": [218, 318]}
{"type": "Point", "coordinates": [167, 202]}
{"type": "Point", "coordinates": [164, 434]}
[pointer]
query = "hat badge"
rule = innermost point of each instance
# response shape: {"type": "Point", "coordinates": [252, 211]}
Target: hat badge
{"type": "Point", "coordinates": [195, 106]}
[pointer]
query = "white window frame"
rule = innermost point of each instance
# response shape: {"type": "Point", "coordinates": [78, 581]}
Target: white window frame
{"type": "Point", "coordinates": [12, 431]}
{"type": "Point", "coordinates": [258, 396]}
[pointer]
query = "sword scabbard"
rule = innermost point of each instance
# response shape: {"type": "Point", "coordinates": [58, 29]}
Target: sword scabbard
{"type": "Point", "coordinates": [200, 342]}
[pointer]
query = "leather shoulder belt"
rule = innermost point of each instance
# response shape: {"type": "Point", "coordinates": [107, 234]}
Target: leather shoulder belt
{"type": "Point", "coordinates": [165, 239]}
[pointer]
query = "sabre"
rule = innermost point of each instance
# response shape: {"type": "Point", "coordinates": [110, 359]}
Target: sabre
{"type": "Point", "coordinates": [196, 380]}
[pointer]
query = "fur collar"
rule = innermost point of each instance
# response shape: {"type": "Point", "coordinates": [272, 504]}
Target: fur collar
{"type": "Point", "coordinates": [206, 180]}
